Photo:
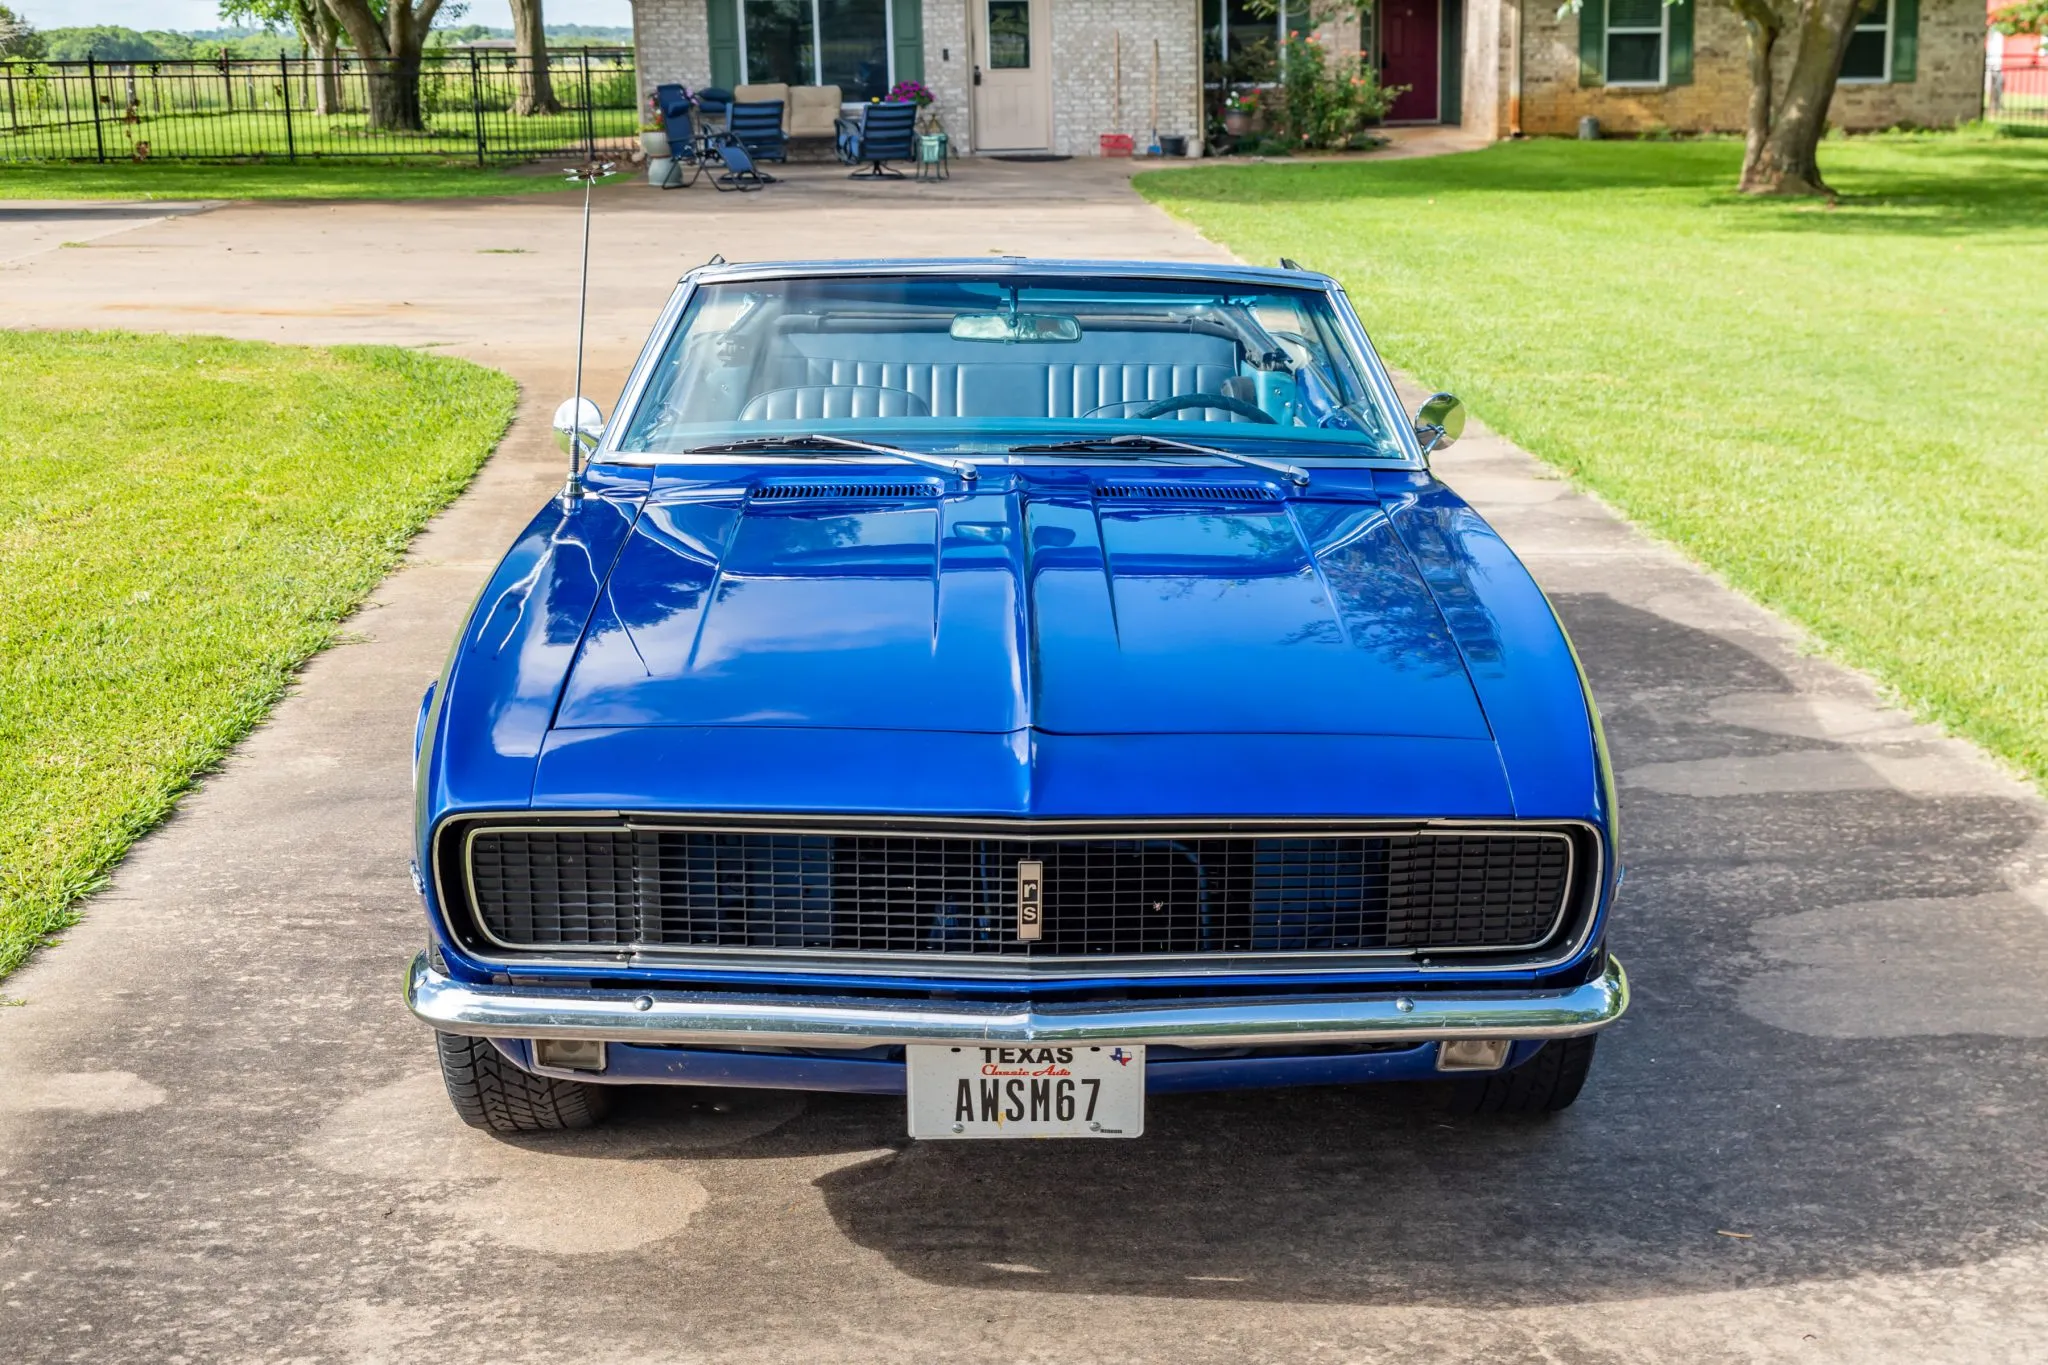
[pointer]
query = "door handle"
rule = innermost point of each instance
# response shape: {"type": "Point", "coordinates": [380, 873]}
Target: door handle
{"type": "Point", "coordinates": [977, 74]}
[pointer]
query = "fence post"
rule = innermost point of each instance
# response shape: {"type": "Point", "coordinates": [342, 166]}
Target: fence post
{"type": "Point", "coordinates": [284, 83]}
{"type": "Point", "coordinates": [476, 104]}
{"type": "Point", "coordinates": [589, 128]}
{"type": "Point", "coordinates": [92, 90]}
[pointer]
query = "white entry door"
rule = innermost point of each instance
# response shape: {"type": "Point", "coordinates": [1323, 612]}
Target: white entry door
{"type": "Point", "coordinates": [1012, 75]}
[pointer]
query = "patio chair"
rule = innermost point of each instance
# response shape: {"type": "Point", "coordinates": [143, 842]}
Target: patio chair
{"type": "Point", "coordinates": [686, 148]}
{"type": "Point", "coordinates": [813, 111]}
{"type": "Point", "coordinates": [667, 97]}
{"type": "Point", "coordinates": [740, 172]}
{"type": "Point", "coordinates": [765, 92]}
{"type": "Point", "coordinates": [713, 103]}
{"type": "Point", "coordinates": [759, 129]}
{"type": "Point", "coordinates": [884, 133]}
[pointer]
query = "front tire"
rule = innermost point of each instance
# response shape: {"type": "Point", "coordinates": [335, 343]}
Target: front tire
{"type": "Point", "coordinates": [489, 1092]}
{"type": "Point", "coordinates": [1545, 1084]}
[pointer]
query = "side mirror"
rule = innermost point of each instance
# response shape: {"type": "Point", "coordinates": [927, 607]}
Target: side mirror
{"type": "Point", "coordinates": [579, 426]}
{"type": "Point", "coordinates": [1439, 422]}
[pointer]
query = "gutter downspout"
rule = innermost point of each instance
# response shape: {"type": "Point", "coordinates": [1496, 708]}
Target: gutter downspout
{"type": "Point", "coordinates": [1515, 71]}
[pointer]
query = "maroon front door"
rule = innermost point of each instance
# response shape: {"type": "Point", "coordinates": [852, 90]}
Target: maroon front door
{"type": "Point", "coordinates": [1409, 32]}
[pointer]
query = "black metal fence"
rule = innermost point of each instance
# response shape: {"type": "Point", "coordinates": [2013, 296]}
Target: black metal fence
{"type": "Point", "coordinates": [465, 104]}
{"type": "Point", "coordinates": [2017, 93]}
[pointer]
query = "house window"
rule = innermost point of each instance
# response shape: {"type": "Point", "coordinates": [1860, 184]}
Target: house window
{"type": "Point", "coordinates": [847, 43]}
{"type": "Point", "coordinates": [1009, 35]}
{"type": "Point", "coordinates": [1869, 57]}
{"type": "Point", "coordinates": [1636, 41]}
{"type": "Point", "coordinates": [781, 38]}
{"type": "Point", "coordinates": [1234, 28]}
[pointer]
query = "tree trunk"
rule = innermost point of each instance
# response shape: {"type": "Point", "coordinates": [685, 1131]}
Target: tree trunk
{"type": "Point", "coordinates": [390, 54]}
{"type": "Point", "coordinates": [1761, 24]}
{"type": "Point", "coordinates": [1788, 161]}
{"type": "Point", "coordinates": [530, 41]}
{"type": "Point", "coordinates": [326, 80]}
{"type": "Point", "coordinates": [395, 94]}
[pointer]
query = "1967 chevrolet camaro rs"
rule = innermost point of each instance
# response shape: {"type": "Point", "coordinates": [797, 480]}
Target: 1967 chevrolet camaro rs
{"type": "Point", "coordinates": [1021, 686]}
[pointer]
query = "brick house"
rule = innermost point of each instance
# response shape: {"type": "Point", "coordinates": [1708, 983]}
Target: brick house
{"type": "Point", "coordinates": [1053, 75]}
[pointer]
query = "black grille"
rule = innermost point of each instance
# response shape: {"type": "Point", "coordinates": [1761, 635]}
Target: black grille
{"type": "Point", "coordinates": [1186, 492]}
{"type": "Point", "coordinates": [778, 492]}
{"type": "Point", "coordinates": [904, 893]}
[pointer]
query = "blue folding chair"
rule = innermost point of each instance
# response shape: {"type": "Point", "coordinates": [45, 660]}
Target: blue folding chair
{"type": "Point", "coordinates": [685, 147]}
{"type": "Point", "coordinates": [740, 172]}
{"type": "Point", "coordinates": [758, 126]}
{"type": "Point", "coordinates": [885, 133]}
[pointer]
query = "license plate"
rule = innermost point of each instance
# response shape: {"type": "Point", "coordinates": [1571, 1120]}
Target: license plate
{"type": "Point", "coordinates": [972, 1091]}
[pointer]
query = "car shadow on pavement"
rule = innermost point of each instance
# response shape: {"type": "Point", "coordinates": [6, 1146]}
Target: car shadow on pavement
{"type": "Point", "coordinates": [1811, 1083]}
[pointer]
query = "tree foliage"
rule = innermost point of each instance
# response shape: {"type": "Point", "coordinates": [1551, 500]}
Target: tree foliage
{"type": "Point", "coordinates": [2031, 16]}
{"type": "Point", "coordinates": [18, 37]}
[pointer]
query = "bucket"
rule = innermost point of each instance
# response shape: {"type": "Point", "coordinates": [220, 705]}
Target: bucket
{"type": "Point", "coordinates": [1172, 145]}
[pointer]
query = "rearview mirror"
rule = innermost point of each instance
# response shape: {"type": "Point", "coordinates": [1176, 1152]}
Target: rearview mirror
{"type": "Point", "coordinates": [579, 426]}
{"type": "Point", "coordinates": [1439, 422]}
{"type": "Point", "coordinates": [1016, 327]}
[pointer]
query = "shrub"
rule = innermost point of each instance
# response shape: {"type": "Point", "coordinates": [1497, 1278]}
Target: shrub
{"type": "Point", "coordinates": [1325, 99]}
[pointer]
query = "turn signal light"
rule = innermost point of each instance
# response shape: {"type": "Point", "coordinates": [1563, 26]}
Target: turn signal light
{"type": "Point", "coordinates": [1472, 1054]}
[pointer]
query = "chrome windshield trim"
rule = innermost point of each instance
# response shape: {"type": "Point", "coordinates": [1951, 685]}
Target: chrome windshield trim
{"type": "Point", "coordinates": [1568, 934]}
{"type": "Point", "coordinates": [714, 1019]}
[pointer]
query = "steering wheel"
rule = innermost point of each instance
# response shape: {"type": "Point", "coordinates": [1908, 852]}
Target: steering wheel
{"type": "Point", "coordinates": [1160, 407]}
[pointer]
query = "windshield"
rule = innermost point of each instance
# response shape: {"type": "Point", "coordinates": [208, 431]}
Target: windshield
{"type": "Point", "coordinates": [979, 364]}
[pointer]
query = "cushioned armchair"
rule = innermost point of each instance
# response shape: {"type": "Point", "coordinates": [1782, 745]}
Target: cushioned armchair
{"type": "Point", "coordinates": [758, 126]}
{"type": "Point", "coordinates": [883, 133]}
{"type": "Point", "coordinates": [813, 110]}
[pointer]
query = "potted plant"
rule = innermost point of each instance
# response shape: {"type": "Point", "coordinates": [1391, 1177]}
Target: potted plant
{"type": "Point", "coordinates": [654, 129]}
{"type": "Point", "coordinates": [919, 94]}
{"type": "Point", "coordinates": [1240, 110]}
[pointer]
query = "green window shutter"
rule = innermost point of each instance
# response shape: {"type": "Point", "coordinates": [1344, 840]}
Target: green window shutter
{"type": "Point", "coordinates": [725, 42]}
{"type": "Point", "coordinates": [1905, 39]}
{"type": "Point", "coordinates": [1678, 58]}
{"type": "Point", "coordinates": [909, 54]}
{"type": "Point", "coordinates": [1593, 42]}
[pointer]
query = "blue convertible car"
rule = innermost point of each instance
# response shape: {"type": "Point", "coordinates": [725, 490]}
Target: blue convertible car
{"type": "Point", "coordinates": [1020, 686]}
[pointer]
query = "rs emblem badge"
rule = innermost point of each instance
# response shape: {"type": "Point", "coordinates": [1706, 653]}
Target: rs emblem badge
{"type": "Point", "coordinates": [1030, 900]}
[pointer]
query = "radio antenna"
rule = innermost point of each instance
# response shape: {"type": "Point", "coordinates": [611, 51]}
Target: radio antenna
{"type": "Point", "coordinates": [589, 174]}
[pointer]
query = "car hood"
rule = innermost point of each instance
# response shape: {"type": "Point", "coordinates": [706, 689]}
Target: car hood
{"type": "Point", "coordinates": [1093, 612]}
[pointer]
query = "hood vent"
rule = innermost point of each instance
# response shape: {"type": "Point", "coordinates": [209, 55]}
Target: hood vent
{"type": "Point", "coordinates": [862, 491]}
{"type": "Point", "coordinates": [1189, 491]}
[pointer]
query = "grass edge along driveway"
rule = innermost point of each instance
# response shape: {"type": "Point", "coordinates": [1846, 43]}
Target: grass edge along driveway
{"type": "Point", "coordinates": [1835, 408]}
{"type": "Point", "coordinates": [183, 522]}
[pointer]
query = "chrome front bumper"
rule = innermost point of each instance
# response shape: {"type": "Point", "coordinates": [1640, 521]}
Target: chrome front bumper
{"type": "Point", "coordinates": [707, 1019]}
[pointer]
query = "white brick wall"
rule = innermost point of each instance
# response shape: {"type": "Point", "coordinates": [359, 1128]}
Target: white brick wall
{"type": "Point", "coordinates": [1083, 87]}
{"type": "Point", "coordinates": [947, 71]}
{"type": "Point", "coordinates": [671, 44]}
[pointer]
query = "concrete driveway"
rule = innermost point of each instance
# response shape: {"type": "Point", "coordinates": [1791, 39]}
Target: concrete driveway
{"type": "Point", "coordinates": [1819, 1137]}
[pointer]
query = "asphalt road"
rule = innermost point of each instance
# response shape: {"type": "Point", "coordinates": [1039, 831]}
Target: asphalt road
{"type": "Point", "coordinates": [1818, 1137]}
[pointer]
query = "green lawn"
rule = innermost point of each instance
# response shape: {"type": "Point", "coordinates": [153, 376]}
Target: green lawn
{"type": "Point", "coordinates": [182, 522]}
{"type": "Point", "coordinates": [1840, 409]}
{"type": "Point", "coordinates": [265, 180]}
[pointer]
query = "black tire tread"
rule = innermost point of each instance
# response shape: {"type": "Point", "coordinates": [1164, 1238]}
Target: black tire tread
{"type": "Point", "coordinates": [489, 1092]}
{"type": "Point", "coordinates": [1545, 1084]}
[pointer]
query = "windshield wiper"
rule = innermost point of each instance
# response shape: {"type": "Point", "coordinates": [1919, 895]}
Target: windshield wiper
{"type": "Point", "coordinates": [814, 441]}
{"type": "Point", "coordinates": [1295, 474]}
